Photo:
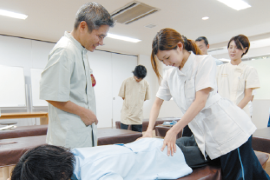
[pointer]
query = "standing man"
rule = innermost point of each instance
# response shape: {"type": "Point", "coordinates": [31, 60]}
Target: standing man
{"type": "Point", "coordinates": [134, 91]}
{"type": "Point", "coordinates": [66, 80]}
{"type": "Point", "coordinates": [203, 45]}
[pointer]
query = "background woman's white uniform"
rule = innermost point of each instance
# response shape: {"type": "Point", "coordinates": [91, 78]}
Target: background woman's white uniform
{"type": "Point", "coordinates": [232, 80]}
{"type": "Point", "coordinates": [221, 126]}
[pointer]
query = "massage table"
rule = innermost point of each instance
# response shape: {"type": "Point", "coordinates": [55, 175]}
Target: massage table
{"type": "Point", "coordinates": [22, 144]}
{"type": "Point", "coordinates": [161, 131]}
{"type": "Point", "coordinates": [146, 121]}
{"type": "Point", "coordinates": [13, 148]}
{"type": "Point", "coordinates": [261, 140]}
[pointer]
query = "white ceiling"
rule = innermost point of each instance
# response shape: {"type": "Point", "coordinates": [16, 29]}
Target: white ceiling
{"type": "Point", "coordinates": [48, 19]}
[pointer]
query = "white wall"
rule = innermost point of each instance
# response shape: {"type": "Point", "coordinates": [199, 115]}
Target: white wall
{"type": "Point", "coordinates": [24, 53]}
{"type": "Point", "coordinates": [261, 112]}
{"type": "Point", "coordinates": [262, 66]}
{"type": "Point", "coordinates": [251, 53]}
{"type": "Point", "coordinates": [261, 103]}
{"type": "Point", "coordinates": [169, 108]}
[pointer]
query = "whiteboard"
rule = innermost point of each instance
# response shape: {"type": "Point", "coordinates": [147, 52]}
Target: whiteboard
{"type": "Point", "coordinates": [12, 87]}
{"type": "Point", "coordinates": [35, 79]}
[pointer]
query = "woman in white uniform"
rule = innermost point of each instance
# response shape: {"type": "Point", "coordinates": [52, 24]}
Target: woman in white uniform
{"type": "Point", "coordinates": [236, 80]}
{"type": "Point", "coordinates": [221, 129]}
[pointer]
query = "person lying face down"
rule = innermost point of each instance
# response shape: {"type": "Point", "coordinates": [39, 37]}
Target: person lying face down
{"type": "Point", "coordinates": [142, 159]}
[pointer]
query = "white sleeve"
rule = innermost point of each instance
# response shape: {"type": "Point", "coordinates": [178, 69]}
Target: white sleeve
{"type": "Point", "coordinates": [163, 90]}
{"type": "Point", "coordinates": [252, 80]}
{"type": "Point", "coordinates": [55, 79]}
{"type": "Point", "coordinates": [206, 74]}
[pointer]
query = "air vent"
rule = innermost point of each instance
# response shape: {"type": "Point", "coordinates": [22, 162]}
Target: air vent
{"type": "Point", "coordinates": [133, 12]}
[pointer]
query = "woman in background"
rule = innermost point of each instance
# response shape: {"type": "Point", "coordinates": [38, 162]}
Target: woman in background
{"type": "Point", "coordinates": [236, 80]}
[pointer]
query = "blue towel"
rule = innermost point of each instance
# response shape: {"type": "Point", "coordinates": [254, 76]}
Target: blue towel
{"type": "Point", "coordinates": [170, 123]}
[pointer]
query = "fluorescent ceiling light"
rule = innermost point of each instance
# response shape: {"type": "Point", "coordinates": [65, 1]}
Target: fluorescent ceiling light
{"type": "Point", "coordinates": [12, 14]}
{"type": "Point", "coordinates": [123, 38]}
{"type": "Point", "coordinates": [260, 43]}
{"type": "Point", "coordinates": [205, 18]}
{"type": "Point", "coordinates": [236, 4]}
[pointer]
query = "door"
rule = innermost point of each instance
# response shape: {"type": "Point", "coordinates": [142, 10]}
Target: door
{"type": "Point", "coordinates": [101, 64]}
{"type": "Point", "coordinates": [123, 65]}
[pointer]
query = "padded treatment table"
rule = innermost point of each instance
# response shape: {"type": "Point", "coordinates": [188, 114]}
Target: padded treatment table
{"type": "Point", "coordinates": [204, 173]}
{"type": "Point", "coordinates": [162, 130]}
{"type": "Point", "coordinates": [12, 149]}
{"type": "Point", "coordinates": [146, 121]}
{"type": "Point", "coordinates": [23, 131]}
{"type": "Point", "coordinates": [261, 140]}
{"type": "Point", "coordinates": [112, 136]}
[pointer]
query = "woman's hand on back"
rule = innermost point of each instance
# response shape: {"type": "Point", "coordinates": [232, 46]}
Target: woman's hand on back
{"type": "Point", "coordinates": [169, 141]}
{"type": "Point", "coordinates": [146, 134]}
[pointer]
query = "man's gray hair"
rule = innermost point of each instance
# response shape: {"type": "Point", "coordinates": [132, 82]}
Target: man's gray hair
{"type": "Point", "coordinates": [94, 15]}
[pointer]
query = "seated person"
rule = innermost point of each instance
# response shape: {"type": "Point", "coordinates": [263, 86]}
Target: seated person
{"type": "Point", "coordinates": [142, 159]}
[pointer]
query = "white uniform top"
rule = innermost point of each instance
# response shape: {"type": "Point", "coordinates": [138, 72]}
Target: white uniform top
{"type": "Point", "coordinates": [221, 126]}
{"type": "Point", "coordinates": [232, 80]}
{"type": "Point", "coordinates": [66, 77]}
{"type": "Point", "coordinates": [135, 93]}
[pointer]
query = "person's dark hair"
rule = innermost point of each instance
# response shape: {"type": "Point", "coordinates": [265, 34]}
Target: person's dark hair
{"type": "Point", "coordinates": [95, 15]}
{"type": "Point", "coordinates": [45, 162]}
{"type": "Point", "coordinates": [167, 39]}
{"type": "Point", "coordinates": [140, 72]}
{"type": "Point", "coordinates": [241, 42]}
{"type": "Point", "coordinates": [202, 38]}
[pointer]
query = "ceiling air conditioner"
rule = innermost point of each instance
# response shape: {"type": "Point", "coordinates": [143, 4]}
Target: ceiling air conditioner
{"type": "Point", "coordinates": [133, 12]}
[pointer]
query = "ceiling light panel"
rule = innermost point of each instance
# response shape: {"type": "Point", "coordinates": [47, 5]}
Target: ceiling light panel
{"type": "Point", "coordinates": [12, 14]}
{"type": "Point", "coordinates": [123, 38]}
{"type": "Point", "coordinates": [236, 4]}
{"type": "Point", "coordinates": [205, 18]}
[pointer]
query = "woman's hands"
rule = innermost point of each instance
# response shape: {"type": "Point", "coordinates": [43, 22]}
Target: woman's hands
{"type": "Point", "coordinates": [148, 133]}
{"type": "Point", "coordinates": [169, 141]}
{"type": "Point", "coordinates": [193, 110]}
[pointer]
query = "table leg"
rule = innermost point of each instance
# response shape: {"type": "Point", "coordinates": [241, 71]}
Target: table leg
{"type": "Point", "coordinates": [44, 120]}
{"type": "Point", "coordinates": [5, 173]}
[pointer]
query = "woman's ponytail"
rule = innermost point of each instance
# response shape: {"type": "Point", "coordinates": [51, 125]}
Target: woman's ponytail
{"type": "Point", "coordinates": [190, 45]}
